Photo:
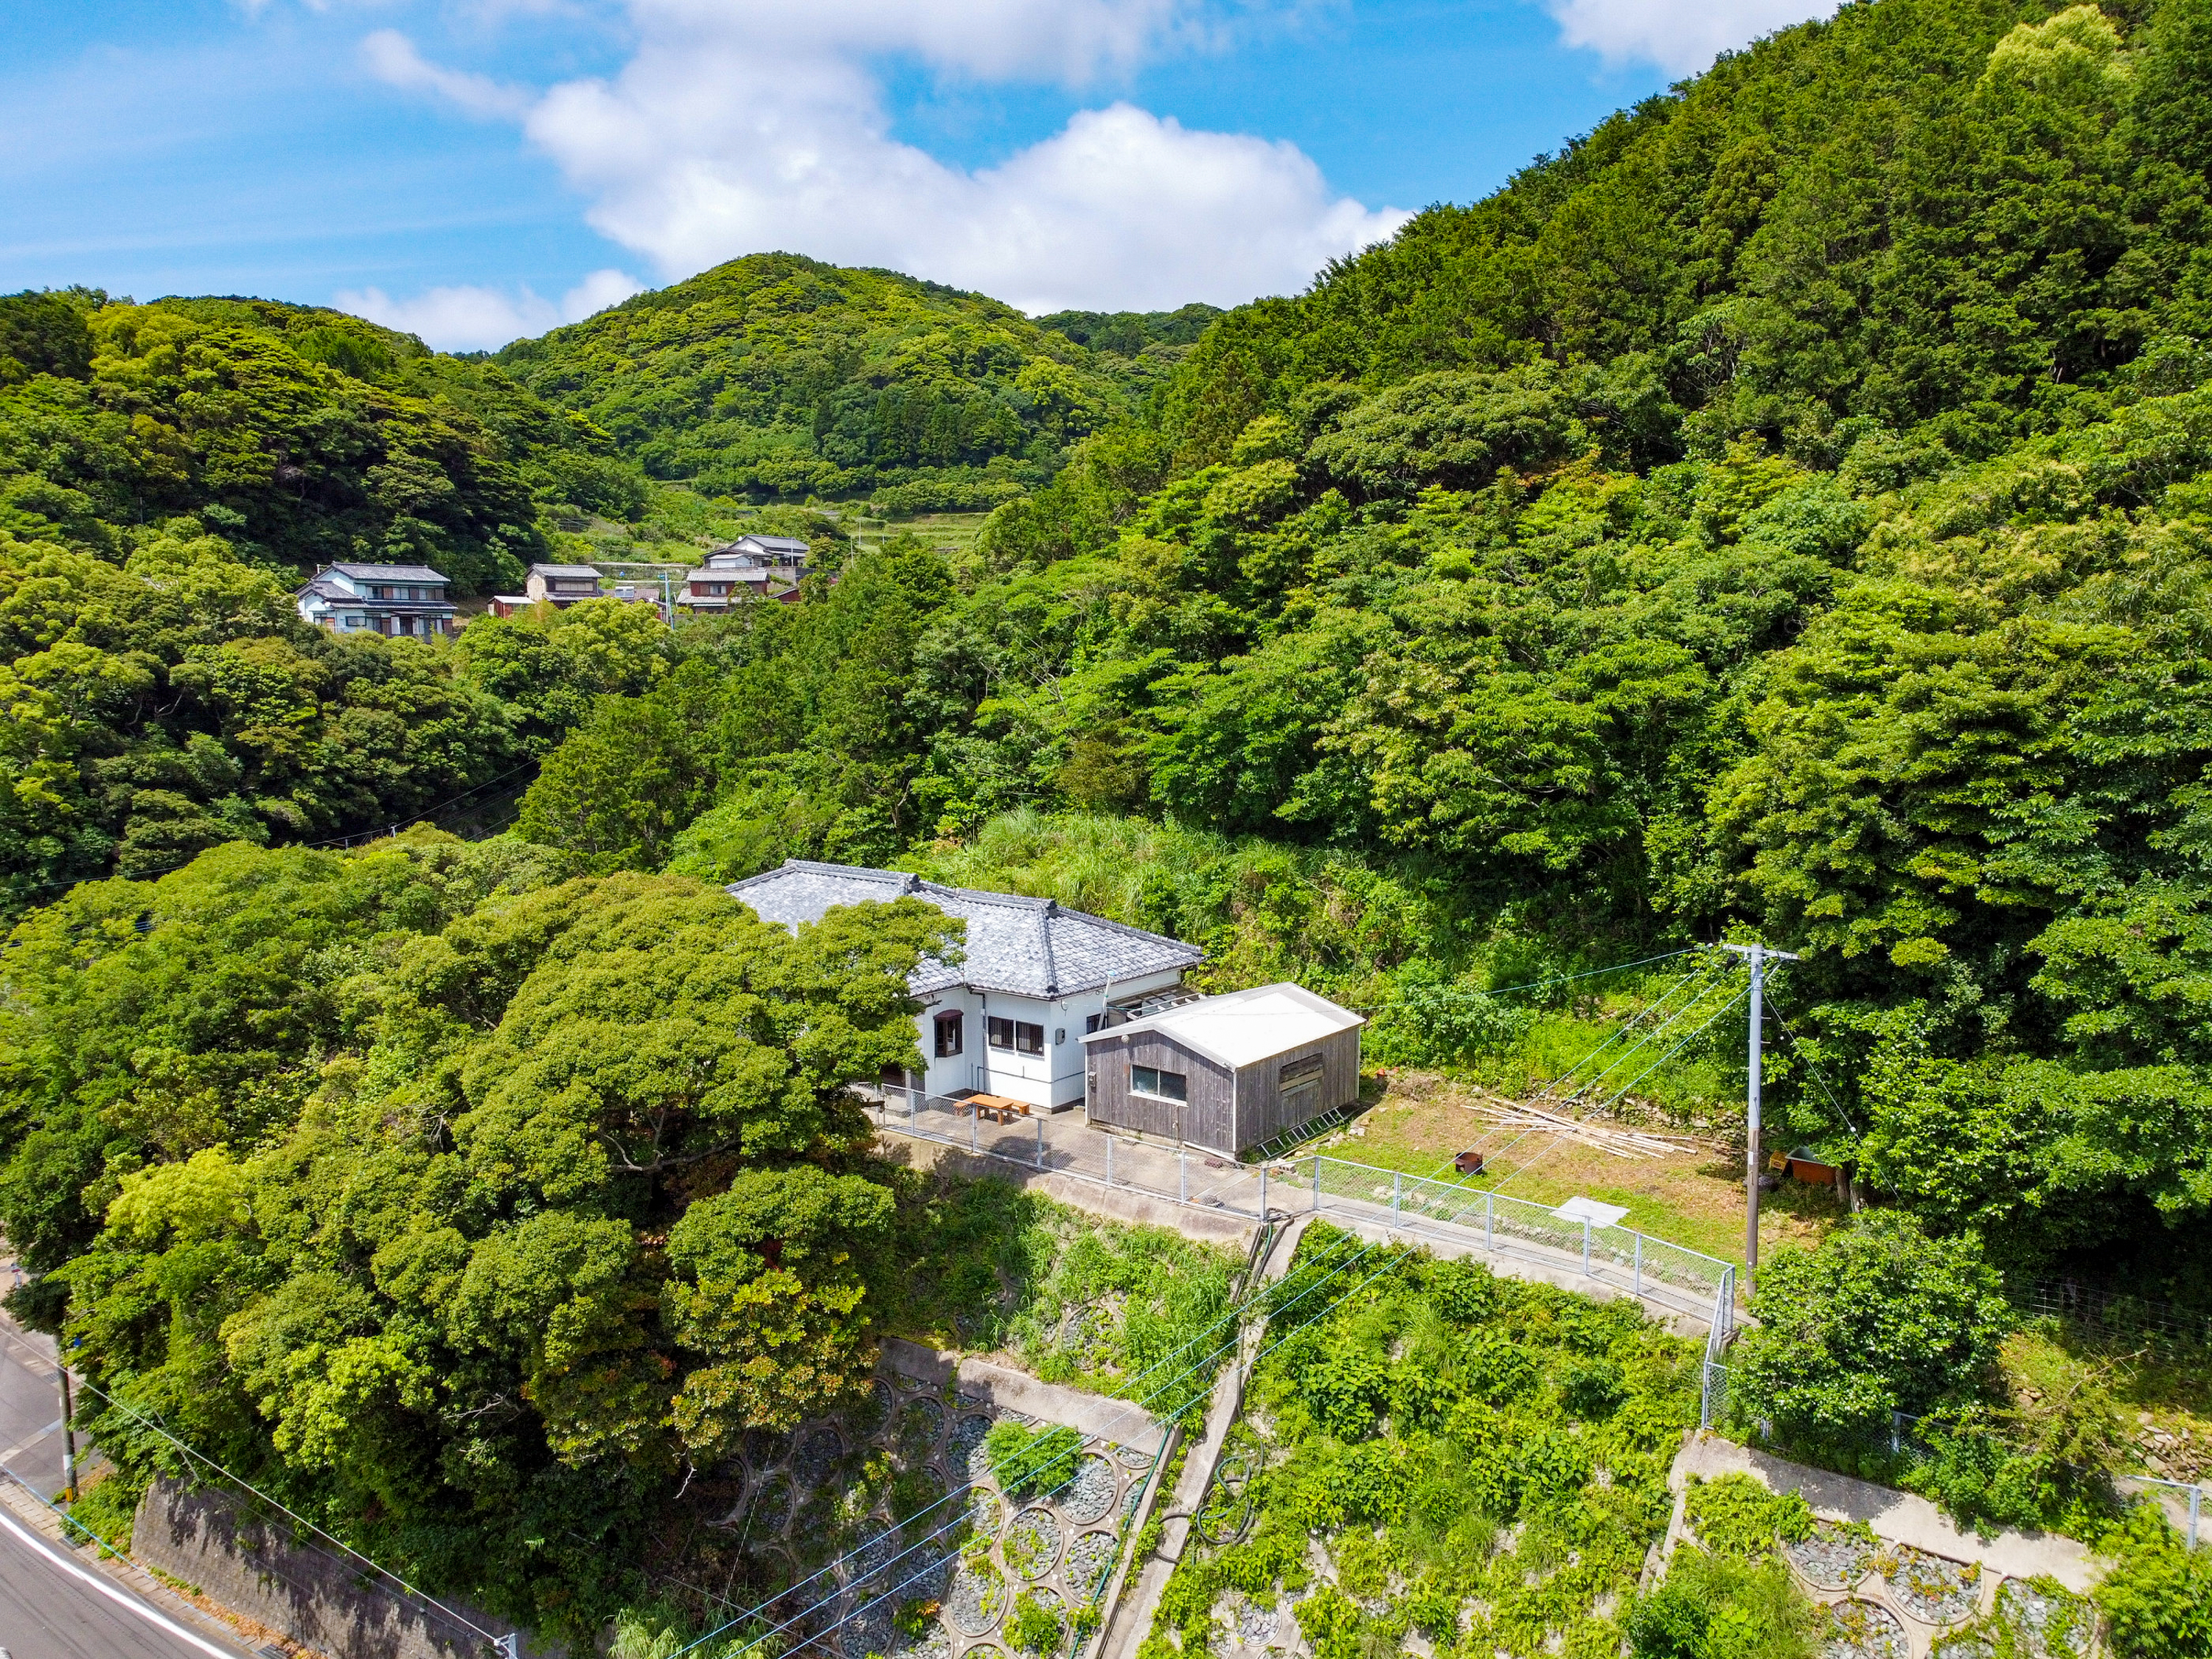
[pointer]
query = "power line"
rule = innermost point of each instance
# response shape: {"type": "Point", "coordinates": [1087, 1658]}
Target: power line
{"type": "Point", "coordinates": [1350, 1261]}
{"type": "Point", "coordinates": [1797, 1047]}
{"type": "Point", "coordinates": [140, 1418]}
{"type": "Point", "coordinates": [1558, 1141]}
{"type": "Point", "coordinates": [1546, 983]}
{"type": "Point", "coordinates": [1698, 986]}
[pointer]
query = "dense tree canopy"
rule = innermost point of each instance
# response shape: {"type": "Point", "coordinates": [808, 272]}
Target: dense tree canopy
{"type": "Point", "coordinates": [426, 1185]}
{"type": "Point", "coordinates": [778, 377]}
{"type": "Point", "coordinates": [1788, 509]}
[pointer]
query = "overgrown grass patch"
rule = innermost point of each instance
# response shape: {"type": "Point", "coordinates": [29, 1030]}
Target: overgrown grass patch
{"type": "Point", "coordinates": [1121, 1309]}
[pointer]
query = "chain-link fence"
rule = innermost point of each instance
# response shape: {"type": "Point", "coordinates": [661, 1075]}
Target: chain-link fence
{"type": "Point", "coordinates": [2165, 1329]}
{"type": "Point", "coordinates": [1418, 1208]}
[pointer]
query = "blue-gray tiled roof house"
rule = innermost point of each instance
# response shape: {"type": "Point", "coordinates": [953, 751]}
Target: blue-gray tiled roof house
{"type": "Point", "coordinates": [1009, 1017]}
{"type": "Point", "coordinates": [377, 598]}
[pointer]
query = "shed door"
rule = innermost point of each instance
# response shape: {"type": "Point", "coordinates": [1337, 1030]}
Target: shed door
{"type": "Point", "coordinates": [1298, 1096]}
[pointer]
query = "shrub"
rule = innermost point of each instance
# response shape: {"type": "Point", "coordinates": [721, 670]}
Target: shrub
{"type": "Point", "coordinates": [1035, 1627]}
{"type": "Point", "coordinates": [1738, 1519]}
{"type": "Point", "coordinates": [1710, 1607]}
{"type": "Point", "coordinates": [2157, 1599]}
{"type": "Point", "coordinates": [1026, 1461]}
{"type": "Point", "coordinates": [1881, 1319]}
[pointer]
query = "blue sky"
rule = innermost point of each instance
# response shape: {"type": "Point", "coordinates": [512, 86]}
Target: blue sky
{"type": "Point", "coordinates": [475, 169]}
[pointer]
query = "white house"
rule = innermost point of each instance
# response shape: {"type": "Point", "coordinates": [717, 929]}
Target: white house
{"type": "Point", "coordinates": [759, 566]}
{"type": "Point", "coordinates": [377, 598]}
{"type": "Point", "coordinates": [1009, 1017]}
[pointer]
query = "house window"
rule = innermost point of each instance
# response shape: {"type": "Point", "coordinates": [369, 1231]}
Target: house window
{"type": "Point", "coordinates": [948, 1034]}
{"type": "Point", "coordinates": [1299, 1071]}
{"type": "Point", "coordinates": [1167, 1085]}
{"type": "Point", "coordinates": [1017, 1035]}
{"type": "Point", "coordinates": [1091, 1022]}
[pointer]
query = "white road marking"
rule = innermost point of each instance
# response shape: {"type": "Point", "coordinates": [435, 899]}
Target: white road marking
{"type": "Point", "coordinates": [17, 1450]}
{"type": "Point", "coordinates": [114, 1593]}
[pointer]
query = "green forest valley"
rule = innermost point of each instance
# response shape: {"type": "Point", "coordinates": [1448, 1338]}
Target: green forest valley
{"type": "Point", "coordinates": [1784, 512]}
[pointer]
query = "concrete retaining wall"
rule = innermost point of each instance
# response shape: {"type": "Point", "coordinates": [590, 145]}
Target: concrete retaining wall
{"type": "Point", "coordinates": [318, 1597]}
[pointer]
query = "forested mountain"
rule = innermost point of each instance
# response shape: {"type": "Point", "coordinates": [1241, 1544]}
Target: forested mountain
{"type": "Point", "coordinates": [169, 473]}
{"type": "Point", "coordinates": [1787, 510]}
{"type": "Point", "coordinates": [778, 377]}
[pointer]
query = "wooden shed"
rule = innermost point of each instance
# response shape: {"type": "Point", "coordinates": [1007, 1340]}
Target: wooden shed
{"type": "Point", "coordinates": [1225, 1072]}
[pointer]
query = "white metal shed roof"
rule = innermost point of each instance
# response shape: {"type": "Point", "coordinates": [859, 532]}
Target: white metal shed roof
{"type": "Point", "coordinates": [1245, 1026]}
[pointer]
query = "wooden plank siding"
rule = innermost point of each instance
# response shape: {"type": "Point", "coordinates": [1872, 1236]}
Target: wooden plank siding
{"type": "Point", "coordinates": [1227, 1111]}
{"type": "Point", "coordinates": [1261, 1115]}
{"type": "Point", "coordinates": [1207, 1119]}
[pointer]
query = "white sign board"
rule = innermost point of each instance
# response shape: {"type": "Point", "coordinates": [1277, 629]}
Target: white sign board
{"type": "Point", "coordinates": [1589, 1210]}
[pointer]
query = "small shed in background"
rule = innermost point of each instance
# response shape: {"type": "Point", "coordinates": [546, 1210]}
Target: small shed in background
{"type": "Point", "coordinates": [1225, 1072]}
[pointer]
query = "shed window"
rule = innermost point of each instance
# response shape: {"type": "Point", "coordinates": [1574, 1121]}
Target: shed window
{"type": "Point", "coordinates": [1298, 1071]}
{"type": "Point", "coordinates": [948, 1034]}
{"type": "Point", "coordinates": [1017, 1035]}
{"type": "Point", "coordinates": [1151, 1081]}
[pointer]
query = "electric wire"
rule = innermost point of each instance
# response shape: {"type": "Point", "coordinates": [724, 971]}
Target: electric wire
{"type": "Point", "coordinates": [1703, 971]}
{"type": "Point", "coordinates": [1559, 1141]}
{"type": "Point", "coordinates": [1797, 1047]}
{"type": "Point", "coordinates": [89, 1387]}
{"type": "Point", "coordinates": [820, 1635]}
{"type": "Point", "coordinates": [1705, 983]}
{"type": "Point", "coordinates": [1348, 1262]}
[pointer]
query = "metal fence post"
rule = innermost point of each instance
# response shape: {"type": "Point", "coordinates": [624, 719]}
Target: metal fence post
{"type": "Point", "coordinates": [1263, 1192]}
{"type": "Point", "coordinates": [1586, 1230]}
{"type": "Point", "coordinates": [1397, 1192]}
{"type": "Point", "coordinates": [1489, 1221]}
{"type": "Point", "coordinates": [1705, 1398]}
{"type": "Point", "coordinates": [1317, 1184]}
{"type": "Point", "coordinates": [1896, 1433]}
{"type": "Point", "coordinates": [1182, 1175]}
{"type": "Point", "coordinates": [1109, 1160]}
{"type": "Point", "coordinates": [2196, 1508]}
{"type": "Point", "coordinates": [1040, 1123]}
{"type": "Point", "coordinates": [974, 1126]}
{"type": "Point", "coordinates": [1639, 1264]}
{"type": "Point", "coordinates": [913, 1106]}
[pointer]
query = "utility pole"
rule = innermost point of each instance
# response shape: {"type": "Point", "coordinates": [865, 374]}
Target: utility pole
{"type": "Point", "coordinates": [68, 1429]}
{"type": "Point", "coordinates": [1758, 956]}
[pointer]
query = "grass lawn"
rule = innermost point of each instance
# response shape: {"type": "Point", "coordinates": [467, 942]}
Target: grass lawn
{"type": "Point", "coordinates": [1693, 1196]}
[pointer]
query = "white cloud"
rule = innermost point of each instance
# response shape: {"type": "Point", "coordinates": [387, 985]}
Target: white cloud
{"type": "Point", "coordinates": [736, 129]}
{"type": "Point", "coordinates": [1679, 36]}
{"type": "Point", "coordinates": [391, 58]}
{"type": "Point", "coordinates": [482, 318]}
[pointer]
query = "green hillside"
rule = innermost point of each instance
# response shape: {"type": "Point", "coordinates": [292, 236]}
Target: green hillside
{"type": "Point", "coordinates": [776, 377]}
{"type": "Point", "coordinates": [168, 474]}
{"type": "Point", "coordinates": [1786, 513]}
{"type": "Point", "coordinates": [1909, 218]}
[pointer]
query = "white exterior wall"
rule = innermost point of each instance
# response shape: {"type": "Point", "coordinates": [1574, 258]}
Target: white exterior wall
{"type": "Point", "coordinates": [1054, 1077]}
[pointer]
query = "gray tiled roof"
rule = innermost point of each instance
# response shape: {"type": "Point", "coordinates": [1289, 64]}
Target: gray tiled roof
{"type": "Point", "coordinates": [390, 573]}
{"type": "Point", "coordinates": [331, 594]}
{"type": "Point", "coordinates": [1023, 946]}
{"type": "Point", "coordinates": [580, 571]}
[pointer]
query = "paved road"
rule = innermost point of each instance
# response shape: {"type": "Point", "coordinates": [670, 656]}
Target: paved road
{"type": "Point", "coordinates": [54, 1607]}
{"type": "Point", "coordinates": [54, 1602]}
{"type": "Point", "coordinates": [30, 1408]}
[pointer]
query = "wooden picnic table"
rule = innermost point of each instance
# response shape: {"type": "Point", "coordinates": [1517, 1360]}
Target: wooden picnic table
{"type": "Point", "coordinates": [999, 1108]}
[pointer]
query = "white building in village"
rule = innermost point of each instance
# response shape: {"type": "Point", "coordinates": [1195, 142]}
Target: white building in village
{"type": "Point", "coordinates": [1009, 1017]}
